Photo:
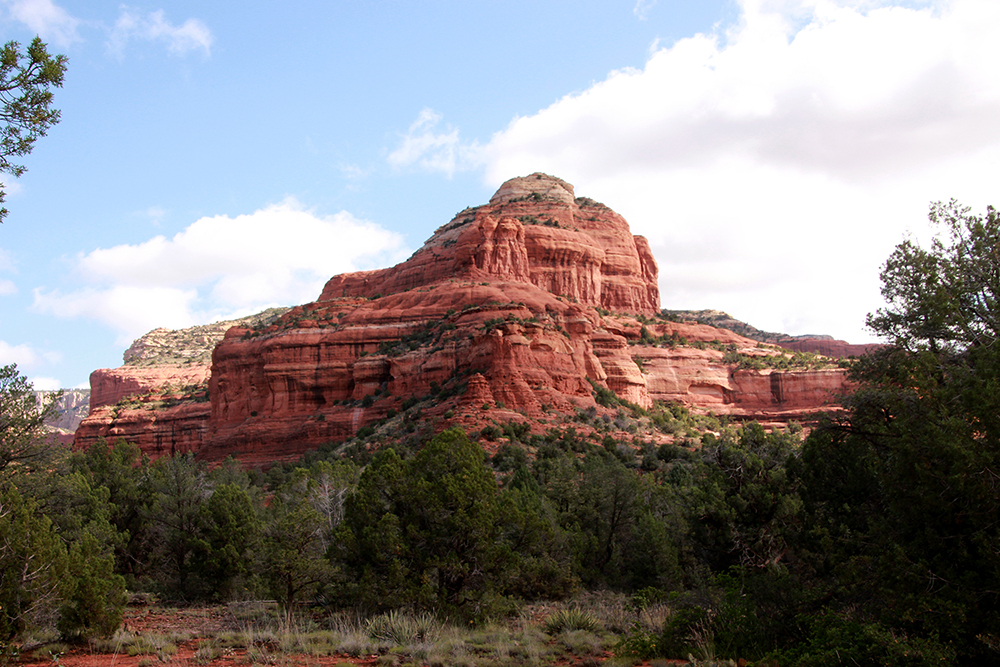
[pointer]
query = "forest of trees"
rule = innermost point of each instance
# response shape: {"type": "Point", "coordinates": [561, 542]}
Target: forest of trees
{"type": "Point", "coordinates": [872, 541]}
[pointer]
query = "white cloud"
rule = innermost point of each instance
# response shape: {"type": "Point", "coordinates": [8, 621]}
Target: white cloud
{"type": "Point", "coordinates": [433, 150]}
{"type": "Point", "coordinates": [45, 383]}
{"type": "Point", "coordinates": [6, 263]}
{"type": "Point", "coordinates": [51, 22]}
{"type": "Point", "coordinates": [130, 310]}
{"type": "Point", "coordinates": [192, 35]}
{"type": "Point", "coordinates": [220, 267]}
{"type": "Point", "coordinates": [10, 186]}
{"type": "Point", "coordinates": [775, 165]}
{"type": "Point", "coordinates": [352, 172]}
{"type": "Point", "coordinates": [855, 95]}
{"type": "Point", "coordinates": [7, 287]}
{"type": "Point", "coordinates": [22, 355]}
{"type": "Point", "coordinates": [25, 355]}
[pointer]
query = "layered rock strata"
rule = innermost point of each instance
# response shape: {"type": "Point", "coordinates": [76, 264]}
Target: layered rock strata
{"type": "Point", "coordinates": [532, 231]}
{"type": "Point", "coordinates": [518, 308]}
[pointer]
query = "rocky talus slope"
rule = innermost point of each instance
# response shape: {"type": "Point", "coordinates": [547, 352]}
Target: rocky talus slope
{"type": "Point", "coordinates": [517, 310]}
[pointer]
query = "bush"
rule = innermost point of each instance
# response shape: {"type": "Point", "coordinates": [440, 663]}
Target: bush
{"type": "Point", "coordinates": [686, 631]}
{"type": "Point", "coordinates": [399, 628]}
{"type": "Point", "coordinates": [490, 433]}
{"type": "Point", "coordinates": [569, 620]}
{"type": "Point", "coordinates": [603, 395]}
{"type": "Point", "coordinates": [837, 641]}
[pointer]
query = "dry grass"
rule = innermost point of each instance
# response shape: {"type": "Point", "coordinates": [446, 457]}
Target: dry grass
{"type": "Point", "coordinates": [580, 632]}
{"type": "Point", "coordinates": [160, 645]}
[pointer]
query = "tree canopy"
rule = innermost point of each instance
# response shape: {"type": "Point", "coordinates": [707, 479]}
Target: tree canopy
{"type": "Point", "coordinates": [27, 78]}
{"type": "Point", "coordinates": [902, 498]}
{"type": "Point", "coordinates": [947, 297]}
{"type": "Point", "coordinates": [23, 440]}
{"type": "Point", "coordinates": [56, 540]}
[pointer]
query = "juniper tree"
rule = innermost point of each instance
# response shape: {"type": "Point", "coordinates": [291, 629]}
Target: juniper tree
{"type": "Point", "coordinates": [27, 78]}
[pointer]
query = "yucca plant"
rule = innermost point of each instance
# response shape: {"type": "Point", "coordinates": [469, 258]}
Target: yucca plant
{"type": "Point", "coordinates": [400, 628]}
{"type": "Point", "coordinates": [565, 620]}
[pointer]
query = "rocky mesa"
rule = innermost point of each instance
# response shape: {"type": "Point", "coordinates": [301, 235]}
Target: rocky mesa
{"type": "Point", "coordinates": [517, 310]}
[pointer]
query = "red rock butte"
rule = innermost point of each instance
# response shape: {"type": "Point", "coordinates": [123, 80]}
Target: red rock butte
{"type": "Point", "coordinates": [514, 310]}
{"type": "Point", "coordinates": [533, 231]}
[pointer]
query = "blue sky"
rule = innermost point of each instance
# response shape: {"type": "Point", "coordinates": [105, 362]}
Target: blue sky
{"type": "Point", "coordinates": [215, 159]}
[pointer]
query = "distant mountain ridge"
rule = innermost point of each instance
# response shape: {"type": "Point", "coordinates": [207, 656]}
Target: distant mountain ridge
{"type": "Point", "coordinates": [816, 343]}
{"type": "Point", "coordinates": [722, 320]}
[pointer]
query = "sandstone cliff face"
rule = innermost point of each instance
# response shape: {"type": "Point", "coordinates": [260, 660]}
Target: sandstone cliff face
{"type": "Point", "coordinates": [70, 408]}
{"type": "Point", "coordinates": [159, 427]}
{"type": "Point", "coordinates": [163, 409]}
{"type": "Point", "coordinates": [110, 385]}
{"type": "Point", "coordinates": [516, 309]}
{"type": "Point", "coordinates": [158, 399]}
{"type": "Point", "coordinates": [533, 230]}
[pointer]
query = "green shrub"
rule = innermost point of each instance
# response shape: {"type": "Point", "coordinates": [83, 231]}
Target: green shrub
{"type": "Point", "coordinates": [639, 644]}
{"type": "Point", "coordinates": [837, 641]}
{"type": "Point", "coordinates": [568, 620]}
{"type": "Point", "coordinates": [400, 628]}
{"type": "Point", "coordinates": [603, 395]}
{"type": "Point", "coordinates": [490, 433]}
{"type": "Point", "coordinates": [686, 630]}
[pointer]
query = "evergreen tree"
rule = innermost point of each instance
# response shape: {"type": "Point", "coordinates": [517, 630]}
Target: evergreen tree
{"type": "Point", "coordinates": [24, 444]}
{"type": "Point", "coordinates": [293, 563]}
{"type": "Point", "coordinates": [428, 531]}
{"type": "Point", "coordinates": [124, 472]}
{"type": "Point", "coordinates": [228, 542]}
{"type": "Point", "coordinates": [33, 566]}
{"type": "Point", "coordinates": [179, 487]}
{"type": "Point", "coordinates": [903, 494]}
{"type": "Point", "coordinates": [26, 113]}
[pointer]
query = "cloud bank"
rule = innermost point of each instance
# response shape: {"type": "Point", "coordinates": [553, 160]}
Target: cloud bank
{"type": "Point", "coordinates": [220, 267]}
{"type": "Point", "coordinates": [774, 164]}
{"type": "Point", "coordinates": [27, 357]}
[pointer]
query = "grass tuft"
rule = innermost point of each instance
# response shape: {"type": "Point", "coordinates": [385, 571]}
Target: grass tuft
{"type": "Point", "coordinates": [400, 628]}
{"type": "Point", "coordinates": [568, 620]}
